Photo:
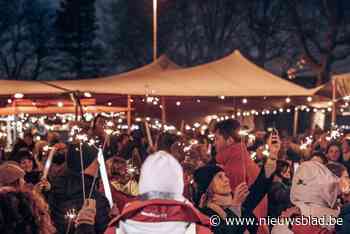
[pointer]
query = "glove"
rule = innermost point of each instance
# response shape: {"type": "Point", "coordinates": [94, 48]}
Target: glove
{"type": "Point", "coordinates": [87, 213]}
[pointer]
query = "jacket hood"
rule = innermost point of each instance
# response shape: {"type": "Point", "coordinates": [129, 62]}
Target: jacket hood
{"type": "Point", "coordinates": [157, 211]}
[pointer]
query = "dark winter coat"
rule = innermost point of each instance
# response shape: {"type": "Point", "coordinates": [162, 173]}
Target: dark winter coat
{"type": "Point", "coordinates": [257, 192]}
{"type": "Point", "coordinates": [67, 193]}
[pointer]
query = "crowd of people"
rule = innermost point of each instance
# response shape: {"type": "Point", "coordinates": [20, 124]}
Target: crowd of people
{"type": "Point", "coordinates": [173, 186]}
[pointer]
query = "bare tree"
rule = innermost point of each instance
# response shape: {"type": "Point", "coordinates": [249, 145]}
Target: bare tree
{"type": "Point", "coordinates": [25, 39]}
{"type": "Point", "coordinates": [265, 37]}
{"type": "Point", "coordinates": [206, 30]}
{"type": "Point", "coordinates": [322, 29]}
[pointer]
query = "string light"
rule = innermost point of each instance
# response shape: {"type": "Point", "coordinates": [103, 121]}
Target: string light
{"type": "Point", "coordinates": [19, 95]}
{"type": "Point", "coordinates": [178, 103]}
{"type": "Point", "coordinates": [288, 100]}
{"type": "Point", "coordinates": [9, 101]}
{"type": "Point", "coordinates": [198, 100]}
{"type": "Point", "coordinates": [109, 103]}
{"type": "Point", "coordinates": [87, 94]}
{"type": "Point", "coordinates": [222, 97]}
{"type": "Point", "coordinates": [196, 125]}
{"type": "Point", "coordinates": [244, 101]}
{"type": "Point", "coordinates": [309, 99]}
{"type": "Point", "coordinates": [60, 104]}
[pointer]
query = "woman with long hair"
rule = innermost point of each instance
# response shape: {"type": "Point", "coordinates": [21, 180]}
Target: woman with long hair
{"type": "Point", "coordinates": [24, 212]}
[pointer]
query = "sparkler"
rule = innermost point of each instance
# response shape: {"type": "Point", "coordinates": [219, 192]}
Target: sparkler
{"type": "Point", "coordinates": [307, 142]}
{"type": "Point", "coordinates": [48, 163]}
{"type": "Point", "coordinates": [70, 215]}
{"type": "Point", "coordinates": [82, 169]}
{"type": "Point", "coordinates": [105, 181]}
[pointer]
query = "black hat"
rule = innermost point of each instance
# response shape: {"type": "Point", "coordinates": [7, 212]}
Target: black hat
{"type": "Point", "coordinates": [73, 156]}
{"type": "Point", "coordinates": [204, 175]}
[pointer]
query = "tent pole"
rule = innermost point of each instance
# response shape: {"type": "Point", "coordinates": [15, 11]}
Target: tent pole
{"type": "Point", "coordinates": [9, 142]}
{"type": "Point", "coordinates": [73, 98]}
{"type": "Point", "coordinates": [182, 126]}
{"type": "Point", "coordinates": [334, 111]}
{"type": "Point", "coordinates": [129, 113]}
{"type": "Point", "coordinates": [296, 119]}
{"type": "Point", "coordinates": [163, 110]}
{"type": "Point", "coordinates": [235, 107]}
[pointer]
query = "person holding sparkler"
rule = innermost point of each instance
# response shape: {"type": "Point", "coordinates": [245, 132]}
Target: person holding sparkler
{"type": "Point", "coordinates": [70, 190]}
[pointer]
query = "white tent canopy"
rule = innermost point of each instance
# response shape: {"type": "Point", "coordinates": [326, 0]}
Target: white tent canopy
{"type": "Point", "coordinates": [233, 75]}
{"type": "Point", "coordinates": [10, 87]}
{"type": "Point", "coordinates": [342, 83]}
{"type": "Point", "coordinates": [342, 86]}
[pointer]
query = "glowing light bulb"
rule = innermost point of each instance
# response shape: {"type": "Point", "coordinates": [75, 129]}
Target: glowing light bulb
{"type": "Point", "coordinates": [19, 95]}
{"type": "Point", "coordinates": [87, 94]}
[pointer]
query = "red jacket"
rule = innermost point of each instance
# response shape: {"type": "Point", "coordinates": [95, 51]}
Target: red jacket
{"type": "Point", "coordinates": [120, 198]}
{"type": "Point", "coordinates": [162, 211]}
{"type": "Point", "coordinates": [239, 167]}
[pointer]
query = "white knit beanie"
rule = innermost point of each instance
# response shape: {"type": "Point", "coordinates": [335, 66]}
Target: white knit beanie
{"type": "Point", "coordinates": [161, 172]}
{"type": "Point", "coordinates": [314, 183]}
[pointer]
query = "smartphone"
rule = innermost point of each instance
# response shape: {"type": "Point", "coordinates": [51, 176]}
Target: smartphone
{"type": "Point", "coordinates": [274, 133]}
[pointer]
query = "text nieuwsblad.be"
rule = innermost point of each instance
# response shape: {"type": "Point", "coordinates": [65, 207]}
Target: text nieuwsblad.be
{"type": "Point", "coordinates": [303, 220]}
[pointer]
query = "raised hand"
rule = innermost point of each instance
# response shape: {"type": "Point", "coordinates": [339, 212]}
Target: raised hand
{"type": "Point", "coordinates": [240, 194]}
